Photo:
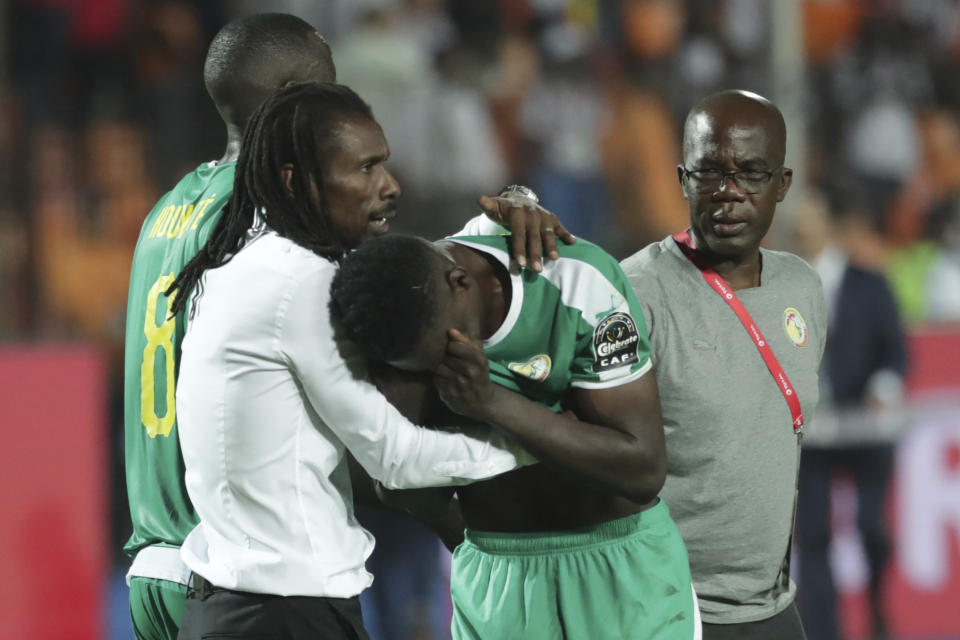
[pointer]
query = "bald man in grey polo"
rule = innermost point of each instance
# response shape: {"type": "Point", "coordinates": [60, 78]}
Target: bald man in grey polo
{"type": "Point", "coordinates": [732, 453]}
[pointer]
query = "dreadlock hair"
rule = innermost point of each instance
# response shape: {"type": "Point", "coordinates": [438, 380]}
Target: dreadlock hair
{"type": "Point", "coordinates": [294, 126]}
{"type": "Point", "coordinates": [384, 295]}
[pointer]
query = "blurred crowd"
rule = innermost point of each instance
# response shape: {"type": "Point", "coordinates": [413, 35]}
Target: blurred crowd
{"type": "Point", "coordinates": [102, 108]}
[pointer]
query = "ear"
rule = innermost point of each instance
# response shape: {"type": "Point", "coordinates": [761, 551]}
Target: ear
{"type": "Point", "coordinates": [786, 179]}
{"type": "Point", "coordinates": [680, 180]}
{"type": "Point", "coordinates": [458, 279]}
{"type": "Point", "coordinates": [286, 171]}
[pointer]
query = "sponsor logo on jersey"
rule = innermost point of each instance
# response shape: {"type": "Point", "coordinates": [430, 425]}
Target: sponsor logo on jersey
{"type": "Point", "coordinates": [795, 327]}
{"type": "Point", "coordinates": [536, 368]}
{"type": "Point", "coordinates": [615, 342]}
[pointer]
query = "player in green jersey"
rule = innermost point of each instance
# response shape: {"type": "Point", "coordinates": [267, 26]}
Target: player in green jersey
{"type": "Point", "coordinates": [248, 60]}
{"type": "Point", "coordinates": [578, 546]}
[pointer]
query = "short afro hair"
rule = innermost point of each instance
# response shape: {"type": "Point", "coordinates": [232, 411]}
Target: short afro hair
{"type": "Point", "coordinates": [385, 293]}
{"type": "Point", "coordinates": [254, 56]}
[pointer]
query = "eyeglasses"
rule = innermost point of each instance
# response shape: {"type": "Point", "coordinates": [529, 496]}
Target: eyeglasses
{"type": "Point", "coordinates": [711, 180]}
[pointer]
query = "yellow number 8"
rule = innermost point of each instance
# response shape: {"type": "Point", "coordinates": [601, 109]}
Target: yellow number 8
{"type": "Point", "coordinates": [158, 336]}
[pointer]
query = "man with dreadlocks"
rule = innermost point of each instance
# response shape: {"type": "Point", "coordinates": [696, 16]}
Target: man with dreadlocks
{"type": "Point", "coordinates": [269, 407]}
{"type": "Point", "coordinates": [247, 61]}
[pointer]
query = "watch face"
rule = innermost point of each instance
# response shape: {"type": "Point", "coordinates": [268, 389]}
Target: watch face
{"type": "Point", "coordinates": [520, 190]}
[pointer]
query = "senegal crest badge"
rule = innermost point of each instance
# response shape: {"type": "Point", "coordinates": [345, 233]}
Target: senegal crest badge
{"type": "Point", "coordinates": [536, 368]}
{"type": "Point", "coordinates": [795, 327]}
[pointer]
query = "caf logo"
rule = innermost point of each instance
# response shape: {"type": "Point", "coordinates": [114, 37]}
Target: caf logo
{"type": "Point", "coordinates": [615, 342]}
{"type": "Point", "coordinates": [795, 327]}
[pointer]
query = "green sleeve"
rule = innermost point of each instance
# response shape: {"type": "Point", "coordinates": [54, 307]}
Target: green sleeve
{"type": "Point", "coordinates": [613, 346]}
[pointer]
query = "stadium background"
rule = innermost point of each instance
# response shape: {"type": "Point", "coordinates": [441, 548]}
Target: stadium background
{"type": "Point", "coordinates": [102, 108]}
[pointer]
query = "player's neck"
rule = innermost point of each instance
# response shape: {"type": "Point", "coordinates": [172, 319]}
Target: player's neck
{"type": "Point", "coordinates": [740, 273]}
{"type": "Point", "coordinates": [234, 137]}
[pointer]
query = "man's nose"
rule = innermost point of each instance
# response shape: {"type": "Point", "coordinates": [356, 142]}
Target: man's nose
{"type": "Point", "coordinates": [391, 188]}
{"type": "Point", "coordinates": [729, 190]}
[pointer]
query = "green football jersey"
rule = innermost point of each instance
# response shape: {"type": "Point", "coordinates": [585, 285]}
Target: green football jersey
{"type": "Point", "coordinates": [173, 232]}
{"type": "Point", "coordinates": [575, 324]}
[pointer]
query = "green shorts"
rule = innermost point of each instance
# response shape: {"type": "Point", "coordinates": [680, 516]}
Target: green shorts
{"type": "Point", "coordinates": [156, 608]}
{"type": "Point", "coordinates": [627, 578]}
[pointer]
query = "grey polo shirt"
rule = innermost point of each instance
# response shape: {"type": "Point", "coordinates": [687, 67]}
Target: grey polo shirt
{"type": "Point", "coordinates": [732, 454]}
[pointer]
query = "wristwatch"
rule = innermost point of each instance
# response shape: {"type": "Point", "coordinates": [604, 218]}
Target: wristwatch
{"type": "Point", "coordinates": [520, 190]}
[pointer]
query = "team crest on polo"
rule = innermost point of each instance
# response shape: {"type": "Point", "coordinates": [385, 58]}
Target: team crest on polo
{"type": "Point", "coordinates": [536, 368]}
{"type": "Point", "coordinates": [615, 342]}
{"type": "Point", "coordinates": [795, 327]}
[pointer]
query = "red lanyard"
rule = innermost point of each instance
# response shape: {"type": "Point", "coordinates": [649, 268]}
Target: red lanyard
{"type": "Point", "coordinates": [717, 283]}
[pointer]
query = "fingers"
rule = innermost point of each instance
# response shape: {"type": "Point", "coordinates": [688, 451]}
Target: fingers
{"type": "Point", "coordinates": [561, 232]}
{"type": "Point", "coordinates": [548, 234]}
{"type": "Point", "coordinates": [444, 372]}
{"type": "Point", "coordinates": [463, 358]}
{"type": "Point", "coordinates": [449, 382]}
{"type": "Point", "coordinates": [550, 229]}
{"type": "Point", "coordinates": [534, 229]}
{"type": "Point", "coordinates": [519, 236]}
{"type": "Point", "coordinates": [463, 377]}
{"type": "Point", "coordinates": [513, 214]}
{"type": "Point", "coordinates": [491, 207]}
{"type": "Point", "coordinates": [534, 238]}
{"type": "Point", "coordinates": [451, 385]}
{"type": "Point", "coordinates": [454, 335]}
{"type": "Point", "coordinates": [464, 361]}
{"type": "Point", "coordinates": [465, 352]}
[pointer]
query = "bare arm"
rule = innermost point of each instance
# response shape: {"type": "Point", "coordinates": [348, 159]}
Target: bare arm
{"type": "Point", "coordinates": [618, 444]}
{"type": "Point", "coordinates": [435, 507]}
